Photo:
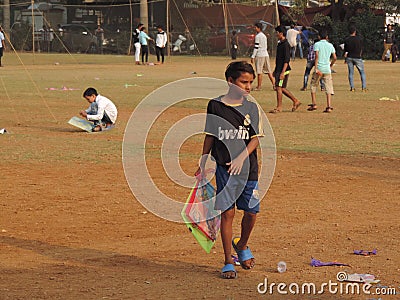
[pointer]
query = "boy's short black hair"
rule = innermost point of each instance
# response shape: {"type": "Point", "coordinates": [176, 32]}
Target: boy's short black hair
{"type": "Point", "coordinates": [235, 69]}
{"type": "Point", "coordinates": [281, 29]}
{"type": "Point", "coordinates": [323, 33]}
{"type": "Point", "coordinates": [352, 28]}
{"type": "Point", "coordinates": [258, 25]}
{"type": "Point", "coordinates": [89, 92]}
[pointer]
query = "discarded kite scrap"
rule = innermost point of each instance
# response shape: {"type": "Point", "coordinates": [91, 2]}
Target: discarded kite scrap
{"type": "Point", "coordinates": [365, 252]}
{"type": "Point", "coordinates": [64, 88]}
{"type": "Point", "coordinates": [318, 263]}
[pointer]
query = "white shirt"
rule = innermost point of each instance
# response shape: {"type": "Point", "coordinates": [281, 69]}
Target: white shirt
{"type": "Point", "coordinates": [161, 39]}
{"type": "Point", "coordinates": [260, 45]}
{"type": "Point", "coordinates": [291, 36]}
{"type": "Point", "coordinates": [103, 105]}
{"type": "Point", "coordinates": [1, 39]}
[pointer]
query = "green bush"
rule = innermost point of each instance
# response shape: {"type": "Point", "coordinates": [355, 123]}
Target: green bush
{"type": "Point", "coordinates": [370, 27]}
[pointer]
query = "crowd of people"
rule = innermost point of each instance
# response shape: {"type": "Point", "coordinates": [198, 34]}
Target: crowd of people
{"type": "Point", "coordinates": [141, 40]}
{"type": "Point", "coordinates": [321, 56]}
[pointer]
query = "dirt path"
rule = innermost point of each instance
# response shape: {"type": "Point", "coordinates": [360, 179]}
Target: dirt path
{"type": "Point", "coordinates": [71, 239]}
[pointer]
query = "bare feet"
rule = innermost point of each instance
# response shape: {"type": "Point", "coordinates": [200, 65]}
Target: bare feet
{"type": "Point", "coordinates": [296, 105]}
{"type": "Point", "coordinates": [275, 111]}
{"type": "Point", "coordinates": [97, 128]}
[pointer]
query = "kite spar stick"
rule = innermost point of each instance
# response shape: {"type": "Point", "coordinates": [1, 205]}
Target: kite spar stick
{"type": "Point", "coordinates": [278, 22]}
{"type": "Point", "coordinates": [33, 31]}
{"type": "Point", "coordinates": [130, 39]}
{"type": "Point", "coordinates": [224, 9]}
{"type": "Point", "coordinates": [168, 41]}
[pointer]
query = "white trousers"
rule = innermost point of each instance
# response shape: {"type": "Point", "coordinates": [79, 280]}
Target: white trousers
{"type": "Point", "coordinates": [137, 52]}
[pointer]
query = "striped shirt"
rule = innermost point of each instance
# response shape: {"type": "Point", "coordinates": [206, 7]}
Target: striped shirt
{"type": "Point", "coordinates": [311, 53]}
{"type": "Point", "coordinates": [260, 45]}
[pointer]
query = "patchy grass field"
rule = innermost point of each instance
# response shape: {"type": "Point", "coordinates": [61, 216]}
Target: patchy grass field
{"type": "Point", "coordinates": [71, 229]}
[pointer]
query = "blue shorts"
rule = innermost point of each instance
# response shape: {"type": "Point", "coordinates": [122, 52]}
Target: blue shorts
{"type": "Point", "coordinates": [233, 190]}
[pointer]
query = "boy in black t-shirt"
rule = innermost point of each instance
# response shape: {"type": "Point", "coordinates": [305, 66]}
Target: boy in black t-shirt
{"type": "Point", "coordinates": [282, 71]}
{"type": "Point", "coordinates": [233, 126]}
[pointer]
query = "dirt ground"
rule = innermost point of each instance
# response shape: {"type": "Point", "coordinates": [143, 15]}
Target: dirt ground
{"type": "Point", "coordinates": [70, 227]}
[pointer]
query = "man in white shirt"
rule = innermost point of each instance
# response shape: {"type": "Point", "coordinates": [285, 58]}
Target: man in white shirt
{"type": "Point", "coordinates": [102, 111]}
{"type": "Point", "coordinates": [161, 42]}
{"type": "Point", "coordinates": [2, 44]}
{"type": "Point", "coordinates": [291, 36]}
{"type": "Point", "coordinates": [260, 56]}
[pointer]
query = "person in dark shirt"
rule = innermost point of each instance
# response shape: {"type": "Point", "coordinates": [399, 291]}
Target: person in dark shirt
{"type": "Point", "coordinates": [388, 40]}
{"type": "Point", "coordinates": [352, 53]}
{"type": "Point", "coordinates": [234, 44]}
{"type": "Point", "coordinates": [282, 70]}
{"type": "Point", "coordinates": [395, 51]}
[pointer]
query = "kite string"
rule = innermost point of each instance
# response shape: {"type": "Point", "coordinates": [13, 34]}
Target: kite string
{"type": "Point", "coordinates": [11, 102]}
{"type": "Point", "coordinates": [187, 28]}
{"type": "Point", "coordinates": [30, 77]}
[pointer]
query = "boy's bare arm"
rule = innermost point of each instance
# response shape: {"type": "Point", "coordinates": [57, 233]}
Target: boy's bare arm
{"type": "Point", "coordinates": [334, 58]}
{"type": "Point", "coordinates": [235, 166]}
{"type": "Point", "coordinates": [207, 145]}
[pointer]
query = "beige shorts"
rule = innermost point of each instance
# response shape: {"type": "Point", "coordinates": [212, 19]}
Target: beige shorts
{"type": "Point", "coordinates": [328, 83]}
{"type": "Point", "coordinates": [267, 66]}
{"type": "Point", "coordinates": [262, 65]}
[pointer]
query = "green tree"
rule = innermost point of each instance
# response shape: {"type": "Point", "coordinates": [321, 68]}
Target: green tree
{"type": "Point", "coordinates": [339, 13]}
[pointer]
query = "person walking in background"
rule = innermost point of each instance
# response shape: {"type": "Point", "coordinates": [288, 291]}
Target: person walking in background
{"type": "Point", "coordinates": [291, 37]}
{"type": "Point", "coordinates": [136, 43]}
{"type": "Point", "coordinates": [161, 42]}
{"type": "Point", "coordinates": [2, 44]}
{"type": "Point", "coordinates": [282, 71]}
{"type": "Point", "coordinates": [299, 44]}
{"type": "Point", "coordinates": [353, 47]}
{"type": "Point", "coordinates": [260, 57]}
{"type": "Point", "coordinates": [310, 64]}
{"type": "Point", "coordinates": [234, 44]}
{"type": "Point", "coordinates": [59, 44]}
{"type": "Point", "coordinates": [388, 41]}
{"type": "Point", "coordinates": [51, 39]}
{"type": "Point", "coordinates": [395, 51]}
{"type": "Point", "coordinates": [44, 39]}
{"type": "Point", "coordinates": [323, 64]}
{"type": "Point", "coordinates": [143, 39]}
{"type": "Point", "coordinates": [99, 33]}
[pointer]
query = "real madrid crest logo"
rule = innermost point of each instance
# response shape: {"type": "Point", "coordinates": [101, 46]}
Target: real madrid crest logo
{"type": "Point", "coordinates": [247, 120]}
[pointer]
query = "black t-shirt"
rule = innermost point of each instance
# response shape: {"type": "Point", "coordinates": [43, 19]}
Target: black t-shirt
{"type": "Point", "coordinates": [282, 56]}
{"type": "Point", "coordinates": [353, 46]}
{"type": "Point", "coordinates": [233, 127]}
{"type": "Point", "coordinates": [135, 35]}
{"type": "Point", "coordinates": [389, 37]}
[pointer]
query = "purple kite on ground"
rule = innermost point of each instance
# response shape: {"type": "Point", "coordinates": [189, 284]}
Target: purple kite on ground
{"type": "Point", "coordinates": [318, 263]}
{"type": "Point", "coordinates": [365, 252]}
